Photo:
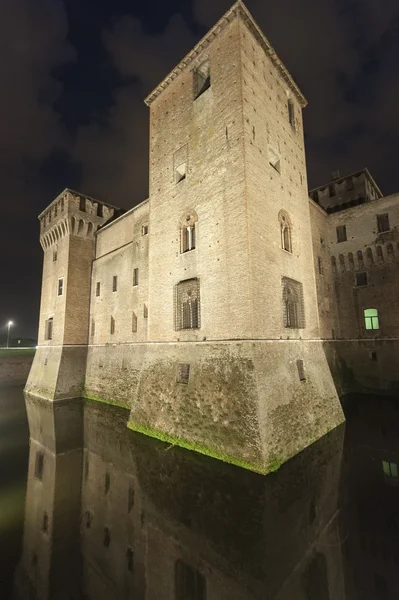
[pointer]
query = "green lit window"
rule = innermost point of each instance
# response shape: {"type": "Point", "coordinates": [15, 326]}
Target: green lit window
{"type": "Point", "coordinates": [371, 318]}
{"type": "Point", "coordinates": [390, 469]}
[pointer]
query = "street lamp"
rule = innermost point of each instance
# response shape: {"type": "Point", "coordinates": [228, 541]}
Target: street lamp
{"type": "Point", "coordinates": [8, 331]}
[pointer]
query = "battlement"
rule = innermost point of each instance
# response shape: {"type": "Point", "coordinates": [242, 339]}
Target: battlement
{"type": "Point", "coordinates": [73, 213]}
{"type": "Point", "coordinates": [368, 258]}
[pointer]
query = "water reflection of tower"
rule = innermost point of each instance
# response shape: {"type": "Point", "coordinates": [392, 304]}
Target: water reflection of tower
{"type": "Point", "coordinates": [50, 565]}
{"type": "Point", "coordinates": [158, 522]}
{"type": "Point", "coordinates": [370, 499]}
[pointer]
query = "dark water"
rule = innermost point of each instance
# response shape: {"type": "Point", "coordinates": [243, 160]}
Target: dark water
{"type": "Point", "coordinates": [105, 513]}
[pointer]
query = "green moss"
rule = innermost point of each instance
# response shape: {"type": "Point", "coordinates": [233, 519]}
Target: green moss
{"type": "Point", "coordinates": [202, 449]}
{"type": "Point", "coordinates": [106, 401]}
{"type": "Point", "coordinates": [16, 352]}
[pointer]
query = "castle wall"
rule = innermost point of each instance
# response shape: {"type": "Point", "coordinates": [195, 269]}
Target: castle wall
{"type": "Point", "coordinates": [269, 190]}
{"type": "Point", "coordinates": [120, 248]}
{"type": "Point", "coordinates": [325, 284]}
{"type": "Point", "coordinates": [210, 130]}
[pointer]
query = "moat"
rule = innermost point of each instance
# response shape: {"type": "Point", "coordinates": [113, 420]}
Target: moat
{"type": "Point", "coordinates": [92, 510]}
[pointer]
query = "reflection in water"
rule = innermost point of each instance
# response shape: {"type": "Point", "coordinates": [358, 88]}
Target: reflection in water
{"type": "Point", "coordinates": [14, 449]}
{"type": "Point", "coordinates": [125, 516]}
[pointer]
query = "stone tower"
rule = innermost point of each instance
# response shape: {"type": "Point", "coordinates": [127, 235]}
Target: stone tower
{"type": "Point", "coordinates": [231, 278]}
{"type": "Point", "coordinates": [67, 230]}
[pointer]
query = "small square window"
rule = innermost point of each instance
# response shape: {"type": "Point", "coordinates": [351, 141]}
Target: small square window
{"type": "Point", "coordinates": [48, 333]}
{"type": "Point", "coordinates": [60, 287]}
{"type": "Point", "coordinates": [341, 234]}
{"type": "Point", "coordinates": [98, 288]}
{"type": "Point", "coordinates": [383, 223]}
{"type": "Point", "coordinates": [202, 79]}
{"type": "Point", "coordinates": [291, 113]}
{"type": "Point", "coordinates": [135, 276]}
{"type": "Point", "coordinates": [180, 172]}
{"type": "Point", "coordinates": [301, 370]}
{"type": "Point", "coordinates": [274, 160]}
{"type": "Point", "coordinates": [114, 283]}
{"type": "Point", "coordinates": [183, 373]}
{"type": "Point", "coordinates": [39, 464]}
{"type": "Point", "coordinates": [144, 230]}
{"type": "Point", "coordinates": [361, 279]}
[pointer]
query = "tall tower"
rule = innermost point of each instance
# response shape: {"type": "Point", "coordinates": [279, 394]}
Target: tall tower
{"type": "Point", "coordinates": [67, 230]}
{"type": "Point", "coordinates": [231, 278]}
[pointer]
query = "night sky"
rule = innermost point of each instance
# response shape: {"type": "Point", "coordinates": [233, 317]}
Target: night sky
{"type": "Point", "coordinates": [74, 75]}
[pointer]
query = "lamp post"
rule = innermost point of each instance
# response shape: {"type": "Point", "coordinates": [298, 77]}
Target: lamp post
{"type": "Point", "coordinates": [8, 331]}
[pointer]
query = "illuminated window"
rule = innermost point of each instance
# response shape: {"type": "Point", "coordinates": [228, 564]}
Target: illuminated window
{"type": "Point", "coordinates": [202, 79]}
{"type": "Point", "coordinates": [190, 584]}
{"type": "Point", "coordinates": [187, 304]}
{"type": "Point", "coordinates": [371, 320]}
{"type": "Point", "coordinates": [60, 287]}
{"type": "Point", "coordinates": [383, 223]}
{"type": "Point", "coordinates": [341, 234]}
{"type": "Point", "coordinates": [390, 469]}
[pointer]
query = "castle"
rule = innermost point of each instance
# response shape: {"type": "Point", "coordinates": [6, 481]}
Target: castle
{"type": "Point", "coordinates": [228, 310]}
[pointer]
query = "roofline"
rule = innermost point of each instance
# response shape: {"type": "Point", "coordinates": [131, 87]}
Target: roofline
{"type": "Point", "coordinates": [323, 210]}
{"type": "Point", "coordinates": [364, 170]}
{"type": "Point", "coordinates": [77, 194]}
{"type": "Point", "coordinates": [106, 225]}
{"type": "Point", "coordinates": [238, 9]}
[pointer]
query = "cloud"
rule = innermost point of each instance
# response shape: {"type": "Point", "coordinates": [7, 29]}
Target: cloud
{"type": "Point", "coordinates": [338, 53]}
{"type": "Point", "coordinates": [115, 153]}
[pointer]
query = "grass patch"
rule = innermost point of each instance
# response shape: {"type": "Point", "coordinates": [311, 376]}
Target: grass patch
{"type": "Point", "coordinates": [16, 352]}
{"type": "Point", "coordinates": [197, 447]}
{"type": "Point", "coordinates": [105, 401]}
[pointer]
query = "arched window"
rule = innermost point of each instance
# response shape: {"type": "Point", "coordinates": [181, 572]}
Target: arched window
{"type": "Point", "coordinates": [342, 262]}
{"type": "Point", "coordinates": [188, 231]}
{"type": "Point", "coordinates": [187, 305]}
{"type": "Point", "coordinates": [90, 229]}
{"type": "Point", "coordinates": [369, 256]}
{"type": "Point", "coordinates": [73, 224]}
{"type": "Point", "coordinates": [371, 320]}
{"type": "Point", "coordinates": [351, 261]}
{"type": "Point", "coordinates": [285, 230]}
{"type": "Point", "coordinates": [294, 313]}
{"type": "Point", "coordinates": [359, 255]}
{"type": "Point", "coordinates": [380, 255]}
{"type": "Point", "coordinates": [81, 226]}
